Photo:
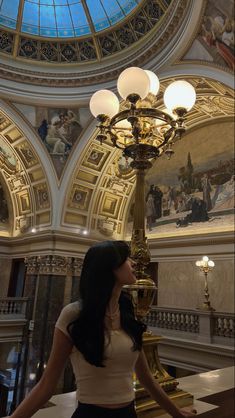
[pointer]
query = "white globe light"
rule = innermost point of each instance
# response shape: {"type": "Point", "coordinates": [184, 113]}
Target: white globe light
{"type": "Point", "coordinates": [123, 124]}
{"type": "Point", "coordinates": [198, 263]}
{"type": "Point", "coordinates": [154, 82]}
{"type": "Point", "coordinates": [179, 94]}
{"type": "Point", "coordinates": [104, 102]}
{"type": "Point", "coordinates": [211, 263]}
{"type": "Point", "coordinates": [133, 80]}
{"type": "Point", "coordinates": [205, 258]}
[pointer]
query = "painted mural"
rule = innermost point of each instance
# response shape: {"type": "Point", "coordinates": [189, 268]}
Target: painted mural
{"type": "Point", "coordinates": [215, 40]}
{"type": "Point", "coordinates": [58, 128]}
{"type": "Point", "coordinates": [194, 191]}
{"type": "Point", "coordinates": [6, 153]}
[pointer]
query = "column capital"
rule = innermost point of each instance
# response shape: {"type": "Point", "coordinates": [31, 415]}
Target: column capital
{"type": "Point", "coordinates": [53, 264]}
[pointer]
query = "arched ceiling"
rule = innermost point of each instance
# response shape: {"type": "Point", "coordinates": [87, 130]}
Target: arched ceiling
{"type": "Point", "coordinates": [23, 176]}
{"type": "Point", "coordinates": [96, 191]}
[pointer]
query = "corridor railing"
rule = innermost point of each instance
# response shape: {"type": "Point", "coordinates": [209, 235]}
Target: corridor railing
{"type": "Point", "coordinates": [13, 308]}
{"type": "Point", "coordinates": [207, 326]}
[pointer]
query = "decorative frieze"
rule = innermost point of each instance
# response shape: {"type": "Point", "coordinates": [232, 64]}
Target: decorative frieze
{"type": "Point", "coordinates": [53, 264]}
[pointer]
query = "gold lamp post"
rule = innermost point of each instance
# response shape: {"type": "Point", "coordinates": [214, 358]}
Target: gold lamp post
{"type": "Point", "coordinates": [206, 265]}
{"type": "Point", "coordinates": [144, 133]}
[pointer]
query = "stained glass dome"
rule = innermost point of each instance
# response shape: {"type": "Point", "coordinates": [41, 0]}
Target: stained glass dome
{"type": "Point", "coordinates": [79, 31]}
{"type": "Point", "coordinates": [63, 18]}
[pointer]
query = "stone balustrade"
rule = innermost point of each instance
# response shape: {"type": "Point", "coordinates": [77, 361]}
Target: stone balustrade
{"type": "Point", "coordinates": [223, 325]}
{"type": "Point", "coordinates": [200, 325]}
{"type": "Point", "coordinates": [13, 308]}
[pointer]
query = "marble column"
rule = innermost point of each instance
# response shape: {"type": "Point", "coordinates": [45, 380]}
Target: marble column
{"type": "Point", "coordinates": [51, 283]}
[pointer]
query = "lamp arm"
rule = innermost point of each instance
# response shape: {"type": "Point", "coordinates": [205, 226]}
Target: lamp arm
{"type": "Point", "coordinates": [167, 136]}
{"type": "Point", "coordinates": [142, 112]}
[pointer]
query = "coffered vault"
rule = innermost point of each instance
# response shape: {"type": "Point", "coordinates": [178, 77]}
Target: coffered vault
{"type": "Point", "coordinates": [93, 196]}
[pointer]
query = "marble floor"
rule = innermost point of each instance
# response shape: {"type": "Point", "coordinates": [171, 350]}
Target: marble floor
{"type": "Point", "coordinates": [202, 385]}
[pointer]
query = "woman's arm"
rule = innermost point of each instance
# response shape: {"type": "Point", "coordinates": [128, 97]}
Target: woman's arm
{"type": "Point", "coordinates": [45, 388]}
{"type": "Point", "coordinates": [156, 392]}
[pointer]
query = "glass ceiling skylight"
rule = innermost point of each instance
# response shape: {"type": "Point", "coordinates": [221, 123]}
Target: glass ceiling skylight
{"type": "Point", "coordinates": [63, 18]}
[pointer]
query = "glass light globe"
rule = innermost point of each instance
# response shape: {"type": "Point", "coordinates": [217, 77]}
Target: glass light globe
{"type": "Point", "coordinates": [179, 94]}
{"type": "Point", "coordinates": [205, 258]}
{"type": "Point", "coordinates": [133, 80]}
{"type": "Point", "coordinates": [123, 124]}
{"type": "Point", "coordinates": [104, 102]}
{"type": "Point", "coordinates": [198, 263]}
{"type": "Point", "coordinates": [159, 122]}
{"type": "Point", "coordinates": [154, 82]}
{"type": "Point", "coordinates": [211, 263]}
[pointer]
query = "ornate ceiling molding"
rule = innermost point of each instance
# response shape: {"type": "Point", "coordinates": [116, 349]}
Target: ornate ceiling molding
{"type": "Point", "coordinates": [23, 175]}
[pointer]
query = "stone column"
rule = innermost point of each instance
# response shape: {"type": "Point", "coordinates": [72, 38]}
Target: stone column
{"type": "Point", "coordinates": [51, 282]}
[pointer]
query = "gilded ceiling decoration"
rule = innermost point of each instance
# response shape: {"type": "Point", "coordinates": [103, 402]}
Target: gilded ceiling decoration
{"type": "Point", "coordinates": [96, 197]}
{"type": "Point", "coordinates": [23, 178]}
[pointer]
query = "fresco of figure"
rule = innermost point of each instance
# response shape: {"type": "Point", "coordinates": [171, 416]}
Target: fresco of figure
{"type": "Point", "coordinates": [206, 190]}
{"type": "Point", "coordinates": [150, 211]}
{"type": "Point", "coordinates": [197, 214]}
{"type": "Point", "coordinates": [157, 197]}
{"type": "Point", "coordinates": [55, 137]}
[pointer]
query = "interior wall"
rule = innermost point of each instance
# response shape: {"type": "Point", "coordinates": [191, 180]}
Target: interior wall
{"type": "Point", "coordinates": [181, 285]}
{"type": "Point", "coordinates": [5, 268]}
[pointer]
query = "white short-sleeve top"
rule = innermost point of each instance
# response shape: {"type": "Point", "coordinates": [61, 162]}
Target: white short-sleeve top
{"type": "Point", "coordinates": [112, 384]}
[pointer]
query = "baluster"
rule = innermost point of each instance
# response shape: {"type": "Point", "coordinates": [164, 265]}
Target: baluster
{"type": "Point", "coordinates": [231, 325]}
{"type": "Point", "coordinates": [220, 327]}
{"type": "Point", "coordinates": [177, 321]}
{"type": "Point", "coordinates": [226, 327]}
{"type": "Point", "coordinates": [181, 322]}
{"type": "Point", "coordinates": [11, 307]}
{"type": "Point", "coordinates": [164, 319]}
{"type": "Point", "coordinates": [168, 320]}
{"type": "Point", "coordinates": [187, 328]}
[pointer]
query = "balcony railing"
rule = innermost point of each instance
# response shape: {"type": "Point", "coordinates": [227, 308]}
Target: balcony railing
{"type": "Point", "coordinates": [223, 325]}
{"type": "Point", "coordinates": [13, 308]}
{"type": "Point", "coordinates": [207, 326]}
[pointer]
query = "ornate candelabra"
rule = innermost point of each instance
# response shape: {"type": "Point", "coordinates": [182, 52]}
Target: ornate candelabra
{"type": "Point", "coordinates": [144, 133]}
{"type": "Point", "coordinates": [206, 265]}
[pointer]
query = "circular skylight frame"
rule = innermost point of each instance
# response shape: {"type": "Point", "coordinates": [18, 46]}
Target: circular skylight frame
{"type": "Point", "coordinates": [65, 19]}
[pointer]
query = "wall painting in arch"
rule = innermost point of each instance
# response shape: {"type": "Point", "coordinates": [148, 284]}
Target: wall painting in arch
{"type": "Point", "coordinates": [215, 40]}
{"type": "Point", "coordinates": [59, 129]}
{"type": "Point", "coordinates": [193, 192]}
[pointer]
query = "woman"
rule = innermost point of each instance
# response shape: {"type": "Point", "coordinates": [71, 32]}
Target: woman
{"type": "Point", "coordinates": [104, 341]}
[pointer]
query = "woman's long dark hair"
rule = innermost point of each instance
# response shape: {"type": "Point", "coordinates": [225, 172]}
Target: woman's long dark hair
{"type": "Point", "coordinates": [96, 286]}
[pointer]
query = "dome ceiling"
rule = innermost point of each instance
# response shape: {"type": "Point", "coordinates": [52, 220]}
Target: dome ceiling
{"type": "Point", "coordinates": [64, 18]}
{"type": "Point", "coordinates": [85, 31]}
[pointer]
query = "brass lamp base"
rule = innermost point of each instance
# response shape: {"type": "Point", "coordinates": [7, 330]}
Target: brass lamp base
{"type": "Point", "coordinates": [146, 407]}
{"type": "Point", "coordinates": [150, 409]}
